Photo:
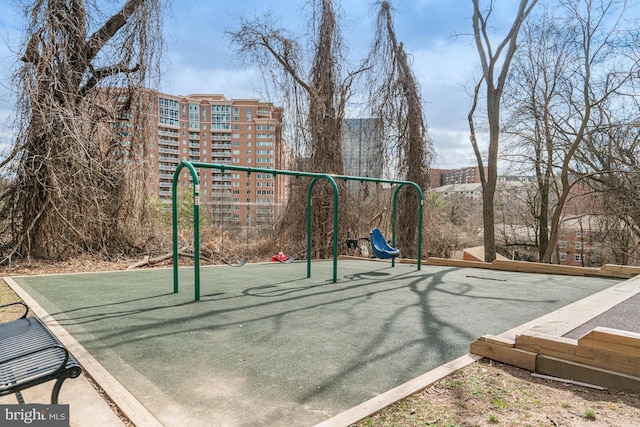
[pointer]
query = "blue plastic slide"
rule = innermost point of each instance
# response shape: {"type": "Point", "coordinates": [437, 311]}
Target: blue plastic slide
{"type": "Point", "coordinates": [381, 248]}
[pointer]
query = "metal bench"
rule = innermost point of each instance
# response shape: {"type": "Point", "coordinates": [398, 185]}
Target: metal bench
{"type": "Point", "coordinates": [30, 355]}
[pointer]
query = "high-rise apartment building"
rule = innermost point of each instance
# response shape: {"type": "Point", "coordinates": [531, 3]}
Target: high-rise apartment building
{"type": "Point", "coordinates": [213, 129]}
{"type": "Point", "coordinates": [362, 147]}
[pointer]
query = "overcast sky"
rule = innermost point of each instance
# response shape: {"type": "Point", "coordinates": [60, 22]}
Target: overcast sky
{"type": "Point", "coordinates": [198, 57]}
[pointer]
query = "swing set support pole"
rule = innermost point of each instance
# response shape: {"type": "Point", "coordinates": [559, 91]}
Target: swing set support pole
{"type": "Point", "coordinates": [196, 226]}
{"type": "Point", "coordinates": [335, 224]}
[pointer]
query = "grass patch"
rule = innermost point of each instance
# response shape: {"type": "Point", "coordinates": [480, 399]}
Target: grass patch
{"type": "Point", "coordinates": [590, 414]}
{"type": "Point", "coordinates": [499, 402]}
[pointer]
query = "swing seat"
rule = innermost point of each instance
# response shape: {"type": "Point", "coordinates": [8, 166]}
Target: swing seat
{"type": "Point", "coordinates": [236, 264]}
{"type": "Point", "coordinates": [380, 247]}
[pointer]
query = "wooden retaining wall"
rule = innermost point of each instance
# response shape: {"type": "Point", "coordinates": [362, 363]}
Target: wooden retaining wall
{"type": "Point", "coordinates": [607, 270]}
{"type": "Point", "coordinates": [604, 357]}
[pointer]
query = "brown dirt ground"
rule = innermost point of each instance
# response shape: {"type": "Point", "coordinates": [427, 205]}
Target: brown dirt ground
{"type": "Point", "coordinates": [483, 394]}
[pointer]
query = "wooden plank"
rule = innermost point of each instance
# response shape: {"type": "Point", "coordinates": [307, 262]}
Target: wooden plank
{"type": "Point", "coordinates": [624, 272]}
{"type": "Point", "coordinates": [614, 340]}
{"type": "Point", "coordinates": [509, 355]}
{"type": "Point", "coordinates": [497, 340]}
{"type": "Point", "coordinates": [568, 349]}
{"type": "Point", "coordinates": [587, 374]}
{"type": "Point", "coordinates": [535, 267]}
{"type": "Point", "coordinates": [372, 406]}
{"type": "Point", "coordinates": [622, 268]}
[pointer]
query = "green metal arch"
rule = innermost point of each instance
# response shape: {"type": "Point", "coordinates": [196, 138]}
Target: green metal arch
{"type": "Point", "coordinates": [316, 176]}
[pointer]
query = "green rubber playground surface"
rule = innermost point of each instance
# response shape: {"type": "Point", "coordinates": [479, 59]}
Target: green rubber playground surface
{"type": "Point", "coordinates": [267, 346]}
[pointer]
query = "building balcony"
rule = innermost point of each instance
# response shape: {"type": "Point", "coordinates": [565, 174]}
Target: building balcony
{"type": "Point", "coordinates": [168, 150]}
{"type": "Point", "coordinates": [171, 142]}
{"type": "Point", "coordinates": [166, 132]}
{"type": "Point", "coordinates": [169, 159]}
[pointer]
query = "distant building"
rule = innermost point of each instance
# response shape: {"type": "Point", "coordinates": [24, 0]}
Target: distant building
{"type": "Point", "coordinates": [362, 147]}
{"type": "Point", "coordinates": [210, 128]}
{"type": "Point", "coordinates": [470, 192]}
{"type": "Point", "coordinates": [468, 175]}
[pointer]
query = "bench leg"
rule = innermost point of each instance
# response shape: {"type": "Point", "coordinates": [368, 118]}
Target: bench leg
{"type": "Point", "coordinates": [56, 390]}
{"type": "Point", "coordinates": [20, 398]}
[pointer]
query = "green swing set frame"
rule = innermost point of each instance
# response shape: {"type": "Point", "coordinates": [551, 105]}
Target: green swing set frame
{"type": "Point", "coordinates": [192, 166]}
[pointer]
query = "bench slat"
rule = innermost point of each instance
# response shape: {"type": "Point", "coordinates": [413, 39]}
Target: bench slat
{"type": "Point", "coordinates": [30, 354]}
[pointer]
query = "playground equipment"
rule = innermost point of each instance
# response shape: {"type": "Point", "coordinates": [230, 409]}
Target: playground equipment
{"type": "Point", "coordinates": [235, 264]}
{"type": "Point", "coordinates": [315, 177]}
{"type": "Point", "coordinates": [380, 247]}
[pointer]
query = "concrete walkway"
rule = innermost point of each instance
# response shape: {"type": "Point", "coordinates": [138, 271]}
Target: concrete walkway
{"type": "Point", "coordinates": [267, 346]}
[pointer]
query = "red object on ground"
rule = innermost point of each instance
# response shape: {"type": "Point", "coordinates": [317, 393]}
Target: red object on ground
{"type": "Point", "coordinates": [279, 258]}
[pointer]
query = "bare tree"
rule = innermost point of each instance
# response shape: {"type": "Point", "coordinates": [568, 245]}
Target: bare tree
{"type": "Point", "coordinates": [318, 90]}
{"type": "Point", "coordinates": [70, 192]}
{"type": "Point", "coordinates": [495, 69]}
{"type": "Point", "coordinates": [609, 160]}
{"type": "Point", "coordinates": [575, 68]}
{"type": "Point", "coordinates": [533, 90]}
{"type": "Point", "coordinates": [395, 95]}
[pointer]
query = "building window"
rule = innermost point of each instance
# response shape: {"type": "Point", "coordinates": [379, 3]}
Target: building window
{"type": "Point", "coordinates": [248, 114]}
{"type": "Point", "coordinates": [562, 244]}
{"type": "Point", "coordinates": [220, 117]}
{"type": "Point", "coordinates": [168, 111]}
{"type": "Point", "coordinates": [563, 256]}
{"type": "Point", "coordinates": [194, 116]}
{"type": "Point", "coordinates": [577, 258]}
{"type": "Point", "coordinates": [581, 234]}
{"type": "Point", "coordinates": [236, 114]}
{"type": "Point", "coordinates": [578, 245]}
